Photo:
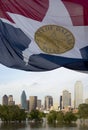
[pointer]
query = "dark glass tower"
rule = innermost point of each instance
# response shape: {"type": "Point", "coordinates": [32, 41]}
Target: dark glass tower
{"type": "Point", "coordinates": [60, 102]}
{"type": "Point", "coordinates": [5, 100]}
{"type": "Point", "coordinates": [48, 102]}
{"type": "Point", "coordinates": [23, 101]}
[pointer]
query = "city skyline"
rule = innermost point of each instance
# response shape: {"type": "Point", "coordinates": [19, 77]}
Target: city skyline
{"type": "Point", "coordinates": [39, 83]}
{"type": "Point", "coordinates": [66, 95]}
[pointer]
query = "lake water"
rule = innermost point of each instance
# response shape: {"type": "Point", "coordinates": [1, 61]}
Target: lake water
{"type": "Point", "coordinates": [40, 126]}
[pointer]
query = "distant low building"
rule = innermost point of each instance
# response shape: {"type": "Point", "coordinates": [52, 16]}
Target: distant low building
{"type": "Point", "coordinates": [86, 101]}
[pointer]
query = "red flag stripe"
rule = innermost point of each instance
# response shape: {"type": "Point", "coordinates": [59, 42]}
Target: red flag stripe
{"type": "Point", "coordinates": [34, 9]}
{"type": "Point", "coordinates": [78, 10]}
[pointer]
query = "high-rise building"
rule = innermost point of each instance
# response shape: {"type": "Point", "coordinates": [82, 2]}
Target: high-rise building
{"type": "Point", "coordinates": [78, 94]}
{"type": "Point", "coordinates": [5, 100]}
{"type": "Point", "coordinates": [23, 100]}
{"type": "Point", "coordinates": [66, 99]}
{"type": "Point", "coordinates": [60, 102]}
{"type": "Point", "coordinates": [32, 103]}
{"type": "Point", "coordinates": [48, 102]}
{"type": "Point", "coordinates": [70, 99]}
{"type": "Point", "coordinates": [38, 104]}
{"type": "Point", "coordinates": [27, 105]}
{"type": "Point", "coordinates": [10, 100]}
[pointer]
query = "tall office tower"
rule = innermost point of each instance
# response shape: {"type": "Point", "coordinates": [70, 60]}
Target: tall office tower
{"type": "Point", "coordinates": [48, 102]}
{"type": "Point", "coordinates": [60, 102]}
{"type": "Point", "coordinates": [10, 100]}
{"type": "Point", "coordinates": [23, 100]}
{"type": "Point", "coordinates": [66, 98]}
{"type": "Point", "coordinates": [78, 94]}
{"type": "Point", "coordinates": [70, 99]}
{"type": "Point", "coordinates": [39, 104]}
{"type": "Point", "coordinates": [5, 100]}
{"type": "Point", "coordinates": [32, 103]}
{"type": "Point", "coordinates": [27, 105]}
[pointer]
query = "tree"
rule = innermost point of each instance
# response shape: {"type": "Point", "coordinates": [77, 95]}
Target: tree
{"type": "Point", "coordinates": [83, 111]}
{"type": "Point", "coordinates": [52, 116]}
{"type": "Point", "coordinates": [35, 115]}
{"type": "Point", "coordinates": [12, 113]}
{"type": "Point", "coordinates": [69, 117]}
{"type": "Point", "coordinates": [60, 117]}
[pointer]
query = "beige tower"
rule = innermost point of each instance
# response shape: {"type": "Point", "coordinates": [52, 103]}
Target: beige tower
{"type": "Point", "coordinates": [78, 94]}
{"type": "Point", "coordinates": [33, 103]}
{"type": "Point", "coordinates": [10, 100]}
{"type": "Point", "coordinates": [66, 98]}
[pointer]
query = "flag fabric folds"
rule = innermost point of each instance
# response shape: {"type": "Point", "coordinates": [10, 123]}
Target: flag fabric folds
{"type": "Point", "coordinates": [44, 35]}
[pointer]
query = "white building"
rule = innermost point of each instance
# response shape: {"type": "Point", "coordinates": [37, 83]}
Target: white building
{"type": "Point", "coordinates": [66, 99]}
{"type": "Point", "coordinates": [86, 101]}
{"type": "Point", "coordinates": [78, 94]}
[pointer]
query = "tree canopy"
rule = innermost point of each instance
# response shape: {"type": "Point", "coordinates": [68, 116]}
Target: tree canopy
{"type": "Point", "coordinates": [12, 113]}
{"type": "Point", "coordinates": [83, 111]}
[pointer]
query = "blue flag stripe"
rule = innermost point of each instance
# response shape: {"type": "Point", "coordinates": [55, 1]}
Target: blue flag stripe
{"type": "Point", "coordinates": [13, 41]}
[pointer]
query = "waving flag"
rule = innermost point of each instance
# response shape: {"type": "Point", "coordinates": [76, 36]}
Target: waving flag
{"type": "Point", "coordinates": [40, 35]}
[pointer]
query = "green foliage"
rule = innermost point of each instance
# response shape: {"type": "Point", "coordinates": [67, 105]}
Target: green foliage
{"type": "Point", "coordinates": [35, 115]}
{"type": "Point", "coordinates": [60, 117]}
{"type": "Point", "coordinates": [52, 116]}
{"type": "Point", "coordinates": [12, 113]}
{"type": "Point", "coordinates": [83, 111]}
{"type": "Point", "coordinates": [69, 117]}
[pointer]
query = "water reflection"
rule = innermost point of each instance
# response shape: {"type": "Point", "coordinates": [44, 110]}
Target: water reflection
{"type": "Point", "coordinates": [36, 125]}
{"type": "Point", "coordinates": [40, 126]}
{"type": "Point", "coordinates": [12, 126]}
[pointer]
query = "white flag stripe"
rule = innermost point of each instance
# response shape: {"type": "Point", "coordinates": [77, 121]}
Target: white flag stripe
{"type": "Point", "coordinates": [57, 13]}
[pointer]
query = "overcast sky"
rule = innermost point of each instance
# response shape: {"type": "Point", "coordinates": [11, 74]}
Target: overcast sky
{"type": "Point", "coordinates": [40, 84]}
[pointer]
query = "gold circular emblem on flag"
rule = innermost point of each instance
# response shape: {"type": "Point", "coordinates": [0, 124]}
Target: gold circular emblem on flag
{"type": "Point", "coordinates": [54, 39]}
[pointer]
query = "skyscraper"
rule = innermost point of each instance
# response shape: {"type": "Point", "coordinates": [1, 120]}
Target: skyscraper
{"type": "Point", "coordinates": [66, 98]}
{"type": "Point", "coordinates": [60, 102]}
{"type": "Point", "coordinates": [10, 100]}
{"type": "Point", "coordinates": [48, 102]}
{"type": "Point", "coordinates": [5, 100]}
{"type": "Point", "coordinates": [78, 94]}
{"type": "Point", "coordinates": [23, 101]}
{"type": "Point", "coordinates": [38, 104]}
{"type": "Point", "coordinates": [33, 103]}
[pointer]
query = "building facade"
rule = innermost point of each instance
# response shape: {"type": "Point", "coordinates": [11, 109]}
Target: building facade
{"type": "Point", "coordinates": [5, 100]}
{"type": "Point", "coordinates": [78, 94]}
{"type": "Point", "coordinates": [32, 103]}
{"type": "Point", "coordinates": [23, 100]}
{"type": "Point", "coordinates": [39, 104]}
{"type": "Point", "coordinates": [86, 100]}
{"type": "Point", "coordinates": [10, 100]}
{"type": "Point", "coordinates": [66, 99]}
{"type": "Point", "coordinates": [48, 102]}
{"type": "Point", "coordinates": [61, 103]}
